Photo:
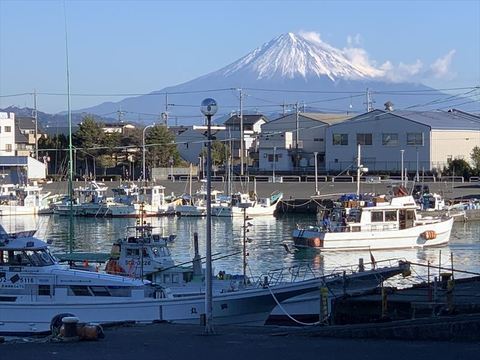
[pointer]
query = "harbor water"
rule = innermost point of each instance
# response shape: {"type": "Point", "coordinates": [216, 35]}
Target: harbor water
{"type": "Point", "coordinates": [265, 244]}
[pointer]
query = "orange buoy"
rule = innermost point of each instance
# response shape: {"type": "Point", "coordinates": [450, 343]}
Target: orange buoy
{"type": "Point", "coordinates": [429, 235]}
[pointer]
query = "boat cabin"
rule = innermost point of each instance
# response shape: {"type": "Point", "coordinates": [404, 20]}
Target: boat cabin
{"type": "Point", "coordinates": [398, 214]}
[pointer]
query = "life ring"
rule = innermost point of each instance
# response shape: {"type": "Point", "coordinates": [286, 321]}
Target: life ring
{"type": "Point", "coordinates": [429, 235]}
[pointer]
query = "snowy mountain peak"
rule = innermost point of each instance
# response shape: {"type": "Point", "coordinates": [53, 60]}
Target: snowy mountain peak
{"type": "Point", "coordinates": [299, 55]}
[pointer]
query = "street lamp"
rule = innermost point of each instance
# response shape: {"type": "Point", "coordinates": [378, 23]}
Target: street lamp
{"type": "Point", "coordinates": [401, 152]}
{"type": "Point", "coordinates": [208, 108]}
{"type": "Point", "coordinates": [244, 206]}
{"type": "Point", "coordinates": [417, 175]}
{"type": "Point", "coordinates": [274, 163]}
{"type": "Point", "coordinates": [315, 153]}
{"type": "Point", "coordinates": [143, 143]}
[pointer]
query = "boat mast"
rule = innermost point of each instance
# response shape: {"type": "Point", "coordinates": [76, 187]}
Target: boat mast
{"type": "Point", "coordinates": [70, 146]}
{"type": "Point", "coordinates": [358, 170]}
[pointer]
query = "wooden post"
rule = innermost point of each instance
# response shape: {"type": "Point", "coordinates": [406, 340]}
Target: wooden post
{"type": "Point", "coordinates": [384, 302]}
{"type": "Point", "coordinates": [323, 305]}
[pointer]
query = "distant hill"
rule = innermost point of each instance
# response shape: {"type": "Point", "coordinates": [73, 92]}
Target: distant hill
{"type": "Point", "coordinates": [285, 70]}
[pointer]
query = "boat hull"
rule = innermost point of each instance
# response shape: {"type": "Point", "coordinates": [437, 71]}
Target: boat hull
{"type": "Point", "coordinates": [375, 240]}
{"type": "Point", "coordinates": [248, 307]}
{"type": "Point", "coordinates": [306, 307]}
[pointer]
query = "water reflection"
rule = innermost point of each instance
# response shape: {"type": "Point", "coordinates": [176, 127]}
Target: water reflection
{"type": "Point", "coordinates": [266, 251]}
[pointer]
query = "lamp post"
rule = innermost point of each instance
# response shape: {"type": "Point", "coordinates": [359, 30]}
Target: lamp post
{"type": "Point", "coordinates": [209, 108]}
{"type": "Point", "coordinates": [244, 206]}
{"type": "Point", "coordinates": [143, 158]}
{"type": "Point", "coordinates": [417, 175]}
{"type": "Point", "coordinates": [274, 163]}
{"type": "Point", "coordinates": [401, 173]}
{"type": "Point", "coordinates": [315, 153]}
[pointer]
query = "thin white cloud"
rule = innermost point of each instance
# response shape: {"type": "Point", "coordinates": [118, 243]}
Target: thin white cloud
{"type": "Point", "coordinates": [399, 72]}
{"type": "Point", "coordinates": [441, 67]}
{"type": "Point", "coordinates": [360, 59]}
{"type": "Point", "coordinates": [402, 72]}
{"type": "Point", "coordinates": [354, 39]}
{"type": "Point", "coordinates": [311, 35]}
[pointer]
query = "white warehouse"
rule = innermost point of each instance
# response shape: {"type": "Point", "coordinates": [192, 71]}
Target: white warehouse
{"type": "Point", "coordinates": [427, 139]}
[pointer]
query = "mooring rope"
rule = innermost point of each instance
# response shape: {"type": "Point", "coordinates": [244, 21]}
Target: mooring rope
{"type": "Point", "coordinates": [288, 315]}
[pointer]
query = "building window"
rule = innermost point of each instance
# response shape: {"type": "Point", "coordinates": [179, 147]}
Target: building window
{"type": "Point", "coordinates": [340, 139]}
{"type": "Point", "coordinates": [364, 139]}
{"type": "Point", "coordinates": [317, 139]}
{"type": "Point", "coordinates": [270, 157]}
{"type": "Point", "coordinates": [8, 129]}
{"type": "Point", "coordinates": [390, 139]}
{"type": "Point", "coordinates": [415, 139]}
{"type": "Point", "coordinates": [8, 147]}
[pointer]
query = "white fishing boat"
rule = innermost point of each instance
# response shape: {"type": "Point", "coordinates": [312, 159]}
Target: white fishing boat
{"type": "Point", "coordinates": [388, 225]}
{"type": "Point", "coordinates": [248, 203]}
{"type": "Point", "coordinates": [144, 255]}
{"type": "Point", "coordinates": [148, 200]}
{"type": "Point", "coordinates": [23, 200]}
{"type": "Point", "coordinates": [88, 201]}
{"type": "Point", "coordinates": [196, 205]}
{"type": "Point", "coordinates": [151, 250]}
{"type": "Point", "coordinates": [35, 291]}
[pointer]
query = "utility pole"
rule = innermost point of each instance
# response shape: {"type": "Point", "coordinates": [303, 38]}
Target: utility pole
{"type": "Point", "coordinates": [284, 106]}
{"type": "Point", "coordinates": [242, 145]}
{"type": "Point", "coordinates": [369, 102]}
{"type": "Point", "coordinates": [35, 115]}
{"type": "Point", "coordinates": [166, 110]}
{"type": "Point", "coordinates": [120, 115]}
{"type": "Point", "coordinates": [296, 134]}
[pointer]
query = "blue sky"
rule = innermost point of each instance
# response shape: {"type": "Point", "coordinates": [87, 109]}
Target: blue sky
{"type": "Point", "coordinates": [141, 46]}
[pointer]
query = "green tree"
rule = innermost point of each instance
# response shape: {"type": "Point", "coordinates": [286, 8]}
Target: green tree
{"type": "Point", "coordinates": [220, 153]}
{"type": "Point", "coordinates": [55, 148]}
{"type": "Point", "coordinates": [161, 147]}
{"type": "Point", "coordinates": [89, 135]}
{"type": "Point", "coordinates": [106, 161]}
{"type": "Point", "coordinates": [89, 138]}
{"type": "Point", "coordinates": [475, 156]}
{"type": "Point", "coordinates": [457, 167]}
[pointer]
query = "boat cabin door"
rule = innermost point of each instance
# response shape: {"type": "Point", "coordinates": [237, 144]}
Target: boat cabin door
{"type": "Point", "coordinates": [406, 218]}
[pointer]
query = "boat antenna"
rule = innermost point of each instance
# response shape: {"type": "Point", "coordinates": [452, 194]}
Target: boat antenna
{"type": "Point", "coordinates": [70, 146]}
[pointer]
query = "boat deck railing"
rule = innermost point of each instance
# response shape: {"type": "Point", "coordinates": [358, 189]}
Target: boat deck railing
{"type": "Point", "coordinates": [306, 272]}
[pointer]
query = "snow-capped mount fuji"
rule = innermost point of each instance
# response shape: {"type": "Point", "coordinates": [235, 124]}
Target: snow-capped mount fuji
{"type": "Point", "coordinates": [291, 68]}
{"type": "Point", "coordinates": [290, 56]}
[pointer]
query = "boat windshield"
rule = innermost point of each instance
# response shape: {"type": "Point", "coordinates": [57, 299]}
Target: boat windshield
{"type": "Point", "coordinates": [26, 258]}
{"type": "Point", "coordinates": [160, 251]}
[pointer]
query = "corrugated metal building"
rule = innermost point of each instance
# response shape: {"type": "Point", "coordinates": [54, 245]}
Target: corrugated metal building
{"type": "Point", "coordinates": [428, 140]}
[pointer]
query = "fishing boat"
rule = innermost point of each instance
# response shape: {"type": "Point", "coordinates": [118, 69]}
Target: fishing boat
{"type": "Point", "coordinates": [36, 291]}
{"type": "Point", "coordinates": [88, 200]}
{"type": "Point", "coordinates": [143, 254]}
{"type": "Point", "coordinates": [23, 200]}
{"type": "Point", "coordinates": [390, 224]}
{"type": "Point", "coordinates": [147, 200]}
{"type": "Point", "coordinates": [196, 204]}
{"type": "Point", "coordinates": [248, 203]}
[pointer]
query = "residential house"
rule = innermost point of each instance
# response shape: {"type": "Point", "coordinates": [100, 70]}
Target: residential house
{"type": "Point", "coordinates": [295, 138]}
{"type": "Point", "coordinates": [25, 135]}
{"type": "Point", "coordinates": [119, 127]}
{"type": "Point", "coordinates": [16, 169]}
{"type": "Point", "coordinates": [252, 126]}
{"type": "Point", "coordinates": [7, 134]}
